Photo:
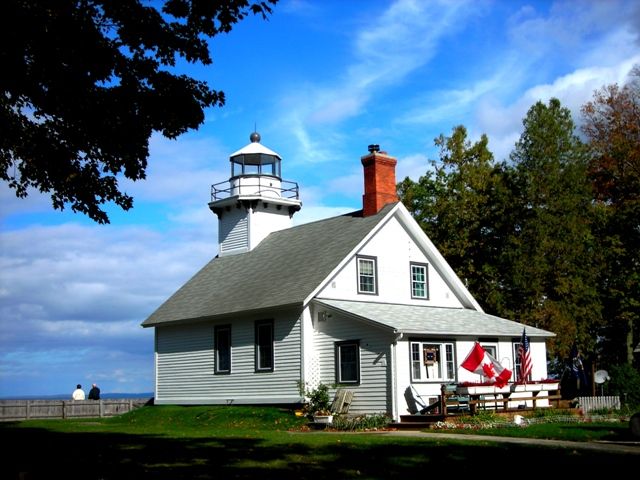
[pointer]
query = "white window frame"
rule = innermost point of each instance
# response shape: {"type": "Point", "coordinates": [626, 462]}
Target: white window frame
{"type": "Point", "coordinates": [424, 283]}
{"type": "Point", "coordinates": [443, 369]}
{"type": "Point", "coordinates": [373, 276]}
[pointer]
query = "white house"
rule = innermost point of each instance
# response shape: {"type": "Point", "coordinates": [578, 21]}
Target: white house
{"type": "Point", "coordinates": [363, 300]}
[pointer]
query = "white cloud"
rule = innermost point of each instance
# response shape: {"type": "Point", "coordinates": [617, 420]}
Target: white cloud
{"type": "Point", "coordinates": [412, 166]}
{"type": "Point", "coordinates": [576, 48]}
{"type": "Point", "coordinates": [86, 289]}
{"type": "Point", "coordinates": [178, 171]}
{"type": "Point", "coordinates": [503, 124]}
{"type": "Point", "coordinates": [386, 49]}
{"type": "Point", "coordinates": [313, 213]}
{"type": "Point", "coordinates": [454, 104]}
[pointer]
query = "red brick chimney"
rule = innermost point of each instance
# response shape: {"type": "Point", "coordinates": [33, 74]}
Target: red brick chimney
{"type": "Point", "coordinates": [379, 181]}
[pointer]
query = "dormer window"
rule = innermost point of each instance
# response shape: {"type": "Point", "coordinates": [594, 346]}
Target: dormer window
{"type": "Point", "coordinates": [367, 275]}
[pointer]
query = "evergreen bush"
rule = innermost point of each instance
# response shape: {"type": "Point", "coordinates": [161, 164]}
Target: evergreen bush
{"type": "Point", "coordinates": [625, 382]}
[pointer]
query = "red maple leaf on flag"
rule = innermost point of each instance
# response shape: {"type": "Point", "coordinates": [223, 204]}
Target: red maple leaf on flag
{"type": "Point", "coordinates": [488, 370]}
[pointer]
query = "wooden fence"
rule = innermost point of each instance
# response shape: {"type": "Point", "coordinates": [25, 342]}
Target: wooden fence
{"type": "Point", "coordinates": [13, 410]}
{"type": "Point", "coordinates": [588, 404]}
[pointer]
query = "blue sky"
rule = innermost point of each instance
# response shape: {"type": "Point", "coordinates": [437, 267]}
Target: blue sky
{"type": "Point", "coordinates": [321, 80]}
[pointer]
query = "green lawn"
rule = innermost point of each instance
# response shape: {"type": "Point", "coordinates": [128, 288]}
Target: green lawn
{"type": "Point", "coordinates": [167, 442]}
{"type": "Point", "coordinates": [575, 432]}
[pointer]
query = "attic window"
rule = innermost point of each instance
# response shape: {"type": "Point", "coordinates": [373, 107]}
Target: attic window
{"type": "Point", "coordinates": [367, 273]}
{"type": "Point", "coordinates": [420, 281]}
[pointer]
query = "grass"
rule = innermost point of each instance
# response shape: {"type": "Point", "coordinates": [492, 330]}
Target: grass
{"type": "Point", "coordinates": [546, 424]}
{"type": "Point", "coordinates": [168, 442]}
{"type": "Point", "coordinates": [575, 432]}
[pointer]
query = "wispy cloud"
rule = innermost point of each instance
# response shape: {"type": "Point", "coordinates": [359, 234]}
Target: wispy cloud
{"type": "Point", "coordinates": [503, 123]}
{"type": "Point", "coordinates": [385, 50]}
{"type": "Point", "coordinates": [574, 48]}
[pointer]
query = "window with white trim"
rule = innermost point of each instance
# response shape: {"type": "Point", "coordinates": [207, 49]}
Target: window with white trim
{"type": "Point", "coordinates": [367, 282]}
{"type": "Point", "coordinates": [432, 361]}
{"type": "Point", "coordinates": [348, 362]}
{"type": "Point", "coordinates": [222, 339]}
{"type": "Point", "coordinates": [419, 281]}
{"type": "Point", "coordinates": [264, 346]}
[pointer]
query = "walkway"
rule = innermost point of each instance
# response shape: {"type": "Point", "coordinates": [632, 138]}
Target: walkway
{"type": "Point", "coordinates": [632, 448]}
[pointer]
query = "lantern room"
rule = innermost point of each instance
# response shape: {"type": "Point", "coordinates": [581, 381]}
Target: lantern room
{"type": "Point", "coordinates": [255, 159]}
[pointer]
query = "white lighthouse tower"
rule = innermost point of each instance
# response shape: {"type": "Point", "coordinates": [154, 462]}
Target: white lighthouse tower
{"type": "Point", "coordinates": [255, 201]}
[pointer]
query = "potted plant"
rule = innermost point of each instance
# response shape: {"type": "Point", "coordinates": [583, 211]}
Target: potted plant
{"type": "Point", "coordinates": [319, 406]}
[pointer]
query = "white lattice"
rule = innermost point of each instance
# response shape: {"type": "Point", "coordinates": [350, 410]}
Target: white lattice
{"type": "Point", "coordinates": [313, 373]}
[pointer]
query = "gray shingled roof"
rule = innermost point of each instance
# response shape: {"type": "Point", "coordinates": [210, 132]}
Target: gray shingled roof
{"type": "Point", "coordinates": [415, 319]}
{"type": "Point", "coordinates": [283, 269]}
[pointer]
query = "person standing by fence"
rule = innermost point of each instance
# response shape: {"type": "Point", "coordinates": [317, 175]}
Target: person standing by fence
{"type": "Point", "coordinates": [94, 393]}
{"type": "Point", "coordinates": [78, 393]}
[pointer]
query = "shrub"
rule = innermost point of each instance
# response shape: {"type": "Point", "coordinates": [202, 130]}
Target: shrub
{"type": "Point", "coordinates": [480, 418]}
{"type": "Point", "coordinates": [319, 402]}
{"type": "Point", "coordinates": [363, 422]}
{"type": "Point", "coordinates": [625, 382]}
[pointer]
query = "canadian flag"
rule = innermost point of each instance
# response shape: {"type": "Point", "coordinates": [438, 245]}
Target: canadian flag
{"type": "Point", "coordinates": [480, 362]}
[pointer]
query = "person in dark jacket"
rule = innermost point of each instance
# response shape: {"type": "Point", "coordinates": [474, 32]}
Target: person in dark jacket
{"type": "Point", "coordinates": [94, 393]}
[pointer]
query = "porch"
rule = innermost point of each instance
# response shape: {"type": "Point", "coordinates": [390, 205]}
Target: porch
{"type": "Point", "coordinates": [456, 400]}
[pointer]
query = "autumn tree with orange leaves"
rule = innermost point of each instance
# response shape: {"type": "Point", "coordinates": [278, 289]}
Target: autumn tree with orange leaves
{"type": "Point", "coordinates": [612, 127]}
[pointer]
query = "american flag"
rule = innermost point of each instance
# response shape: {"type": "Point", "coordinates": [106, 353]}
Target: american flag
{"type": "Point", "coordinates": [525, 356]}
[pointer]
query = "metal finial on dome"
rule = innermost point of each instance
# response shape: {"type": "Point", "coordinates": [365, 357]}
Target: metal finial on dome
{"type": "Point", "coordinates": [254, 137]}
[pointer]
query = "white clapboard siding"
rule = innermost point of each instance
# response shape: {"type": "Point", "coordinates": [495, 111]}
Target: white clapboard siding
{"type": "Point", "coordinates": [185, 369]}
{"type": "Point", "coordinates": [233, 234]}
{"type": "Point", "coordinates": [373, 394]}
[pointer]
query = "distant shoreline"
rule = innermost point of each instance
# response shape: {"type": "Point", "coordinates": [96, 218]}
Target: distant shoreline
{"type": "Point", "coordinates": [67, 396]}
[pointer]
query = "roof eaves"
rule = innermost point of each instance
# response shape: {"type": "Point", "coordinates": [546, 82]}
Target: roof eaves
{"type": "Point", "coordinates": [225, 315]}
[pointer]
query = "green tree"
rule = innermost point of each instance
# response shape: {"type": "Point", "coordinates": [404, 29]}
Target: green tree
{"type": "Point", "coordinates": [461, 205]}
{"type": "Point", "coordinates": [625, 382]}
{"type": "Point", "coordinates": [86, 82]}
{"type": "Point", "coordinates": [552, 260]}
{"type": "Point", "coordinates": [612, 126]}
